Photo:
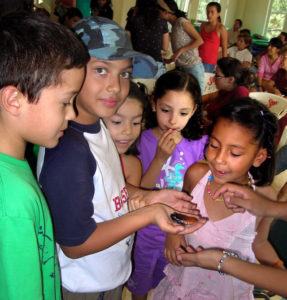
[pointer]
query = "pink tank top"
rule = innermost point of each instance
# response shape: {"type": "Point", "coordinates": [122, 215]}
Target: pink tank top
{"type": "Point", "coordinates": [209, 49]}
{"type": "Point", "coordinates": [236, 233]}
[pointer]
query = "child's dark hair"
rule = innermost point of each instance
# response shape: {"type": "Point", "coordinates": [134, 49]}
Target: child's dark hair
{"type": "Point", "coordinates": [71, 13]}
{"type": "Point", "coordinates": [137, 91]}
{"type": "Point", "coordinates": [245, 31]}
{"type": "Point", "coordinates": [246, 37]}
{"type": "Point", "coordinates": [174, 8]}
{"type": "Point", "coordinates": [256, 117]}
{"type": "Point", "coordinates": [216, 5]}
{"type": "Point", "coordinates": [94, 4]}
{"type": "Point", "coordinates": [276, 42]}
{"type": "Point", "coordinates": [231, 66]}
{"type": "Point", "coordinates": [285, 35]}
{"type": "Point", "coordinates": [177, 80]}
{"type": "Point", "coordinates": [34, 51]}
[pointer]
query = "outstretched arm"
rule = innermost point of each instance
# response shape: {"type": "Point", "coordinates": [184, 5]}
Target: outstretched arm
{"type": "Point", "coordinates": [111, 232]}
{"type": "Point", "coordinates": [239, 198]}
{"type": "Point", "coordinates": [265, 277]}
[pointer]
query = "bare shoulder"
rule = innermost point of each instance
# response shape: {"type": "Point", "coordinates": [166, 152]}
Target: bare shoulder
{"type": "Point", "coordinates": [222, 27]}
{"type": "Point", "coordinates": [193, 174]}
{"type": "Point", "coordinates": [132, 169]}
{"type": "Point", "coordinates": [267, 191]}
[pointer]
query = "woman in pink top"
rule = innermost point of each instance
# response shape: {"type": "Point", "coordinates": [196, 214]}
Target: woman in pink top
{"type": "Point", "coordinates": [269, 63]}
{"type": "Point", "coordinates": [213, 34]}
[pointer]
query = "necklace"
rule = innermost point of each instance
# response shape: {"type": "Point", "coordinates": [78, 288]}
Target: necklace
{"type": "Point", "coordinates": [250, 183]}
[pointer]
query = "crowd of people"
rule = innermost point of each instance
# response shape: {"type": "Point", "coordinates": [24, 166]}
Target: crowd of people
{"type": "Point", "coordinates": [160, 192]}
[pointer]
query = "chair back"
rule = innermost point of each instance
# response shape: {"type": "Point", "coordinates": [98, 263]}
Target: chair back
{"type": "Point", "coordinates": [209, 83]}
{"type": "Point", "coordinates": [275, 103]}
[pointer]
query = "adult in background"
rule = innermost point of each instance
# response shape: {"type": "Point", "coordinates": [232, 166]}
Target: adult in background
{"type": "Point", "coordinates": [232, 81]}
{"type": "Point", "coordinates": [269, 63]}
{"type": "Point", "coordinates": [234, 32]}
{"type": "Point", "coordinates": [102, 8]}
{"type": "Point", "coordinates": [148, 31]}
{"type": "Point", "coordinates": [185, 41]}
{"type": "Point", "coordinates": [213, 34]}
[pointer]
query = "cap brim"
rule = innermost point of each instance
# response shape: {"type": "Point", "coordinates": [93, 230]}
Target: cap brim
{"type": "Point", "coordinates": [144, 66]}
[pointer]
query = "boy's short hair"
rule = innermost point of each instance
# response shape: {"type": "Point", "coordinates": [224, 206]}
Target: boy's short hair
{"type": "Point", "coordinates": [246, 37]}
{"type": "Point", "coordinates": [107, 40]}
{"type": "Point", "coordinates": [34, 51]}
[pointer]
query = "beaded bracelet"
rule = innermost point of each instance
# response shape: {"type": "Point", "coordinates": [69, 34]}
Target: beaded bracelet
{"type": "Point", "coordinates": [226, 254]}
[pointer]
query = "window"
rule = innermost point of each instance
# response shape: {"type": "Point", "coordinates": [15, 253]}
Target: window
{"type": "Point", "coordinates": [277, 18]}
{"type": "Point", "coordinates": [182, 4]}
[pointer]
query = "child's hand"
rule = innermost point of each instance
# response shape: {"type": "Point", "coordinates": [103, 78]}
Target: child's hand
{"type": "Point", "coordinates": [239, 198]}
{"type": "Point", "coordinates": [165, 146]}
{"type": "Point", "coordinates": [173, 242]}
{"type": "Point", "coordinates": [161, 218]}
{"type": "Point", "coordinates": [177, 200]}
{"type": "Point", "coordinates": [199, 257]}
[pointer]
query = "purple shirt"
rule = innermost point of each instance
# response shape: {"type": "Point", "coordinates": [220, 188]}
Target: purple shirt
{"type": "Point", "coordinates": [185, 154]}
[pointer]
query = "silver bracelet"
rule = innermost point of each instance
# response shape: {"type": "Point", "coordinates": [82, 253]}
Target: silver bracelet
{"type": "Point", "coordinates": [226, 254]}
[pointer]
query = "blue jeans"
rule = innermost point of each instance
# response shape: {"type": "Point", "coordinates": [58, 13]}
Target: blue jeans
{"type": "Point", "coordinates": [209, 68]}
{"type": "Point", "coordinates": [198, 72]}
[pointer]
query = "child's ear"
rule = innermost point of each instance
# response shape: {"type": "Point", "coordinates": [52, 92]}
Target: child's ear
{"type": "Point", "coordinates": [11, 99]}
{"type": "Point", "coordinates": [231, 79]}
{"type": "Point", "coordinates": [260, 157]}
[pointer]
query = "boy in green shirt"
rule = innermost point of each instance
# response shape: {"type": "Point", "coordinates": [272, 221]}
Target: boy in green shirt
{"type": "Point", "coordinates": [42, 67]}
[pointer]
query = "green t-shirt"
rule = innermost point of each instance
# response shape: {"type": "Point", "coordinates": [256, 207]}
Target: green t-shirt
{"type": "Point", "coordinates": [28, 260]}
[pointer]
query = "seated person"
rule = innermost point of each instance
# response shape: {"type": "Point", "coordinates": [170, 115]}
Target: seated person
{"type": "Point", "coordinates": [283, 37]}
{"type": "Point", "coordinates": [240, 51]}
{"type": "Point", "coordinates": [231, 80]}
{"type": "Point", "coordinates": [269, 63]}
{"type": "Point", "coordinates": [234, 32]}
{"type": "Point", "coordinates": [278, 83]}
{"type": "Point", "coordinates": [72, 16]}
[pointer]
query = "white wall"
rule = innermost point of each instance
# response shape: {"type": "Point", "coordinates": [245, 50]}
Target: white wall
{"type": "Point", "coordinates": [121, 8]}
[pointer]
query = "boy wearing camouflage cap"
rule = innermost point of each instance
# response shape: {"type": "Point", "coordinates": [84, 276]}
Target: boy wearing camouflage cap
{"type": "Point", "coordinates": [82, 177]}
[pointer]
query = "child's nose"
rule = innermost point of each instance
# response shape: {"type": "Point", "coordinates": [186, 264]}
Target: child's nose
{"type": "Point", "coordinates": [128, 129]}
{"type": "Point", "coordinates": [220, 157]}
{"type": "Point", "coordinates": [70, 114]}
{"type": "Point", "coordinates": [173, 119]}
{"type": "Point", "coordinates": [114, 84]}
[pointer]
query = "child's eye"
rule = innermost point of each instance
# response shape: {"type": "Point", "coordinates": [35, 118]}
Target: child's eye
{"type": "Point", "coordinates": [101, 71]}
{"type": "Point", "coordinates": [213, 146]}
{"type": "Point", "coordinates": [126, 75]}
{"type": "Point", "coordinates": [136, 123]}
{"type": "Point", "coordinates": [235, 154]}
{"type": "Point", "coordinates": [116, 122]}
{"type": "Point", "coordinates": [183, 114]}
{"type": "Point", "coordinates": [164, 110]}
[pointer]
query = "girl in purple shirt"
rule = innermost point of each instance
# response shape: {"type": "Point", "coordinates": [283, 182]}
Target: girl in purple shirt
{"type": "Point", "coordinates": [170, 144]}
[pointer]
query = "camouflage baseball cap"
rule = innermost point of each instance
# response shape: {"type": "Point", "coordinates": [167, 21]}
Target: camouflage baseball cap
{"type": "Point", "coordinates": [106, 40]}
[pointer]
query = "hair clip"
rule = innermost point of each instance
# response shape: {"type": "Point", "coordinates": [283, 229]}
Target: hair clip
{"type": "Point", "coordinates": [262, 113]}
{"type": "Point", "coordinates": [269, 156]}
